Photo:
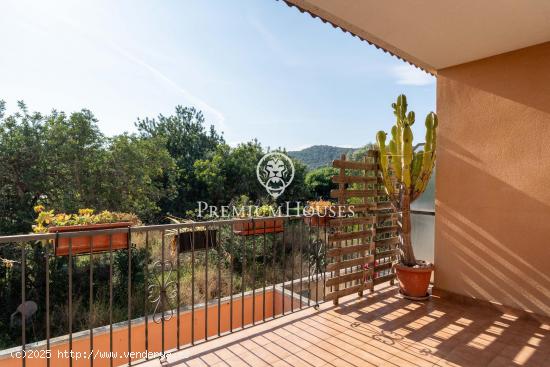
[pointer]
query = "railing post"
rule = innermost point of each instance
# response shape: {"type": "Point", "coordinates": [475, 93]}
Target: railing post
{"type": "Point", "coordinates": [91, 303]}
{"type": "Point", "coordinates": [146, 284]}
{"type": "Point", "coordinates": [217, 243]}
{"type": "Point", "coordinates": [253, 272]}
{"type": "Point", "coordinates": [23, 314]}
{"type": "Point", "coordinates": [206, 285]}
{"type": "Point", "coordinates": [111, 300]}
{"type": "Point", "coordinates": [48, 294]}
{"type": "Point", "coordinates": [193, 286]}
{"type": "Point", "coordinates": [178, 300]}
{"type": "Point", "coordinates": [129, 295]}
{"type": "Point", "coordinates": [70, 301]}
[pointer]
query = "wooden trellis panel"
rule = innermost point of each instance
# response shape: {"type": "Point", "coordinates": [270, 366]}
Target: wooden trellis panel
{"type": "Point", "coordinates": [356, 244]}
{"type": "Point", "coordinates": [386, 231]}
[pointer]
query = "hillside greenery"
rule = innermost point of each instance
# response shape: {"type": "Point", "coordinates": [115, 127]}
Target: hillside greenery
{"type": "Point", "coordinates": [318, 156]}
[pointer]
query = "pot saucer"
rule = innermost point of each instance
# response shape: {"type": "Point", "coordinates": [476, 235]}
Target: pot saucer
{"type": "Point", "coordinates": [424, 298]}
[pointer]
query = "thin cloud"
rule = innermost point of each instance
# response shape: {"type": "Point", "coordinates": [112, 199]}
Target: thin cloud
{"type": "Point", "coordinates": [273, 42]}
{"type": "Point", "coordinates": [197, 101]}
{"type": "Point", "coordinates": [406, 74]}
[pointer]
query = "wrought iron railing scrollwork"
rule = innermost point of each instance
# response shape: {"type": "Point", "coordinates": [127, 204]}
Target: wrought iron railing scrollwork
{"type": "Point", "coordinates": [163, 292]}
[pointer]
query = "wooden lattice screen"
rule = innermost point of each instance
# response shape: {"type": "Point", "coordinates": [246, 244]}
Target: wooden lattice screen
{"type": "Point", "coordinates": [362, 249]}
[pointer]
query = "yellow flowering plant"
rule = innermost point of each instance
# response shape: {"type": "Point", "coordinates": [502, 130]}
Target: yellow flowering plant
{"type": "Point", "coordinates": [48, 218]}
{"type": "Point", "coordinates": [320, 207]}
{"type": "Point", "coordinates": [244, 208]}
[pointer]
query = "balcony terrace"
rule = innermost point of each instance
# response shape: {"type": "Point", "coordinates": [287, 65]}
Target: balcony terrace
{"type": "Point", "coordinates": [277, 317]}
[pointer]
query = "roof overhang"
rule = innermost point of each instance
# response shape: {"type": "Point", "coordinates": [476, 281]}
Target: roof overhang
{"type": "Point", "coordinates": [437, 34]}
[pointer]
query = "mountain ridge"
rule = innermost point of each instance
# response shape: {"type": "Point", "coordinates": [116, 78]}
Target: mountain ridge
{"type": "Point", "coordinates": [317, 156]}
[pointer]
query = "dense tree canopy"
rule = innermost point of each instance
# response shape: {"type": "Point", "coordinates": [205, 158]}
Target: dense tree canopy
{"type": "Point", "coordinates": [187, 140]}
{"type": "Point", "coordinates": [64, 162]}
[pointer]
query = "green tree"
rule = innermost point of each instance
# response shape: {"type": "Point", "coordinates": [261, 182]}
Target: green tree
{"type": "Point", "coordinates": [75, 161]}
{"type": "Point", "coordinates": [187, 140]}
{"type": "Point", "coordinates": [141, 176]}
{"type": "Point", "coordinates": [319, 182]}
{"type": "Point", "coordinates": [24, 177]}
{"type": "Point", "coordinates": [230, 172]}
{"type": "Point", "coordinates": [66, 163]}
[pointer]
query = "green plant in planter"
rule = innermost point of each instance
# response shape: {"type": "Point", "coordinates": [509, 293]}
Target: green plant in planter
{"type": "Point", "coordinates": [406, 170]}
{"type": "Point", "coordinates": [48, 218]}
{"type": "Point", "coordinates": [243, 207]}
{"type": "Point", "coordinates": [319, 207]}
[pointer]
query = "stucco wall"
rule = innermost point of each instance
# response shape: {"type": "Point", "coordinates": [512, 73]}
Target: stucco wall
{"type": "Point", "coordinates": [492, 237]}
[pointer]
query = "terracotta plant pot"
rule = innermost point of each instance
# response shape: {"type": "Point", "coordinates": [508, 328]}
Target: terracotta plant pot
{"type": "Point", "coordinates": [414, 282]}
{"type": "Point", "coordinates": [316, 220]}
{"type": "Point", "coordinates": [100, 242]}
{"type": "Point", "coordinates": [260, 226]}
{"type": "Point", "coordinates": [186, 240]}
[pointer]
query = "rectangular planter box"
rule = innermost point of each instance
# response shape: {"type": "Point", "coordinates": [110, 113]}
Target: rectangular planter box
{"type": "Point", "coordinates": [100, 242]}
{"type": "Point", "coordinates": [260, 226]}
{"type": "Point", "coordinates": [185, 240]}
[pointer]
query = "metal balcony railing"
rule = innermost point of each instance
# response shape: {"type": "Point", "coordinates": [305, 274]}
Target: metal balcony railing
{"type": "Point", "coordinates": [158, 287]}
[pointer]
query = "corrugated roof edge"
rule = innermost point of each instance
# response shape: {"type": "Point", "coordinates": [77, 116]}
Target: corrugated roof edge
{"type": "Point", "coordinates": [302, 10]}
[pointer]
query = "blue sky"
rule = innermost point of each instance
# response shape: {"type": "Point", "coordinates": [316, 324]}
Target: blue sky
{"type": "Point", "coordinates": [258, 69]}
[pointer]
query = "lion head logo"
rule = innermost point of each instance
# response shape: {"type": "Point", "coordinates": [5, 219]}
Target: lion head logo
{"type": "Point", "coordinates": [275, 172]}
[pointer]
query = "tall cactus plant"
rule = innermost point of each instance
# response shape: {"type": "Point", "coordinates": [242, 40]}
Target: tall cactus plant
{"type": "Point", "coordinates": [405, 170]}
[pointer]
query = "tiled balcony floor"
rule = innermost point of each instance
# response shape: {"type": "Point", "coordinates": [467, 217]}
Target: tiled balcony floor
{"type": "Point", "coordinates": [380, 330]}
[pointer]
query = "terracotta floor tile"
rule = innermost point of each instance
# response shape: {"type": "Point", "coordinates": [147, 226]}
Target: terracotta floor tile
{"type": "Point", "coordinates": [370, 357]}
{"type": "Point", "coordinates": [276, 349]}
{"type": "Point", "coordinates": [237, 349]}
{"type": "Point", "coordinates": [287, 345]}
{"type": "Point", "coordinates": [348, 341]}
{"type": "Point", "coordinates": [333, 347]}
{"type": "Point", "coordinates": [196, 362]}
{"type": "Point", "coordinates": [297, 361]}
{"type": "Point", "coordinates": [425, 353]}
{"type": "Point", "coordinates": [261, 340]}
{"type": "Point", "coordinates": [357, 358]}
{"type": "Point", "coordinates": [225, 354]}
{"type": "Point", "coordinates": [500, 362]}
{"type": "Point", "coordinates": [237, 362]}
{"type": "Point", "coordinates": [282, 363]}
{"type": "Point", "coordinates": [253, 360]}
{"type": "Point", "coordinates": [266, 355]}
{"type": "Point", "coordinates": [338, 363]}
{"type": "Point", "coordinates": [325, 355]}
{"type": "Point", "coordinates": [211, 359]}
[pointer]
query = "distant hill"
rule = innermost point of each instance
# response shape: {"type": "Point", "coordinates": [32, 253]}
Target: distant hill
{"type": "Point", "coordinates": [319, 155]}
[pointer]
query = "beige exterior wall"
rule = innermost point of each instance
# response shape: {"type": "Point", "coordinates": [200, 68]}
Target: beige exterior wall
{"type": "Point", "coordinates": [492, 238]}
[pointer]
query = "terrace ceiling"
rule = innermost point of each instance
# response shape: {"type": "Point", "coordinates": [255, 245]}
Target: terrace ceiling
{"type": "Point", "coordinates": [436, 34]}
